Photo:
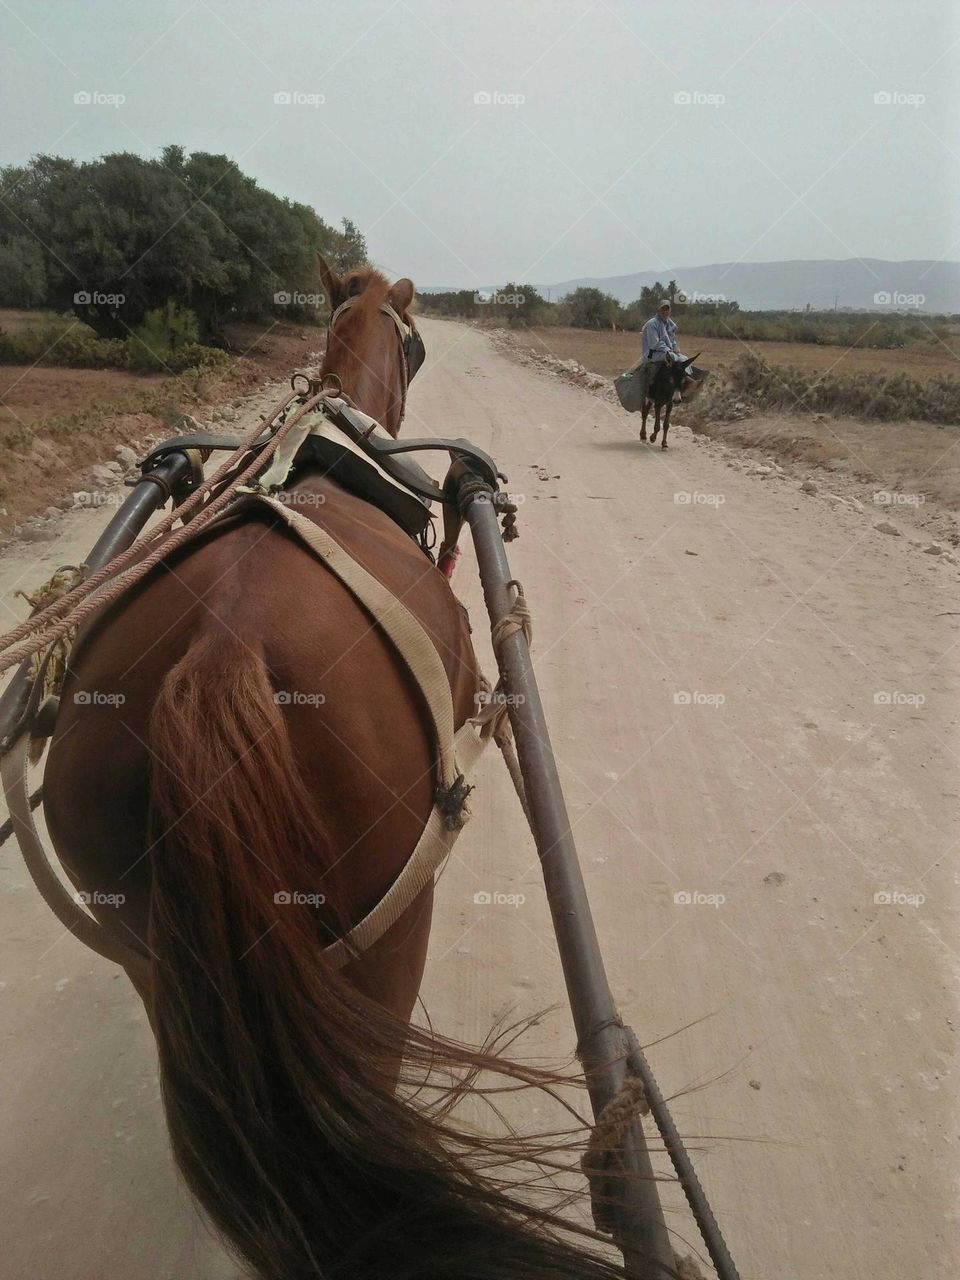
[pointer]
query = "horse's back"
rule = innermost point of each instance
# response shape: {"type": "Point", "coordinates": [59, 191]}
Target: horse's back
{"type": "Point", "coordinates": [358, 728]}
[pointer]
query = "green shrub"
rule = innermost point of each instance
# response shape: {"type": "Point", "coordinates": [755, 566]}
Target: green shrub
{"type": "Point", "coordinates": [65, 343]}
{"type": "Point", "coordinates": [164, 334]}
{"type": "Point", "coordinates": [892, 396]}
{"type": "Point", "coordinates": [166, 343]}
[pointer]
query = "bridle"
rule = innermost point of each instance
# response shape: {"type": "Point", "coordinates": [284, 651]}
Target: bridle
{"type": "Point", "coordinates": [412, 350]}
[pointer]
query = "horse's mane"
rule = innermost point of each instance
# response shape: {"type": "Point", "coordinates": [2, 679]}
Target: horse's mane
{"type": "Point", "coordinates": [365, 280]}
{"type": "Point", "coordinates": [368, 280]}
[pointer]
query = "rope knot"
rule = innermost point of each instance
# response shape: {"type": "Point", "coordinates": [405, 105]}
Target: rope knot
{"type": "Point", "coordinates": [518, 619]}
{"type": "Point", "coordinates": [452, 803]}
{"type": "Point", "coordinates": [604, 1145]}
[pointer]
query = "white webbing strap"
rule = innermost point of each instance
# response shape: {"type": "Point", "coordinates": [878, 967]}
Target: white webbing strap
{"type": "Point", "coordinates": [404, 631]}
{"type": "Point", "coordinates": [420, 869]}
{"type": "Point", "coordinates": [67, 908]}
{"type": "Point", "coordinates": [457, 752]}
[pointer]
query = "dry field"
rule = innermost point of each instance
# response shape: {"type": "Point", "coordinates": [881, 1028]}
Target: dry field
{"type": "Point", "coordinates": [611, 353]}
{"type": "Point", "coordinates": [30, 393]}
{"type": "Point", "coordinates": [47, 449]}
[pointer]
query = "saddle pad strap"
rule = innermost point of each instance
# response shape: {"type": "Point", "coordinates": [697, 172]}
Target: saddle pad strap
{"type": "Point", "coordinates": [405, 632]}
{"type": "Point", "coordinates": [420, 869]}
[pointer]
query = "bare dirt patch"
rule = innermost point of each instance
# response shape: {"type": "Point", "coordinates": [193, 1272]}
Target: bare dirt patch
{"type": "Point", "coordinates": [30, 394]}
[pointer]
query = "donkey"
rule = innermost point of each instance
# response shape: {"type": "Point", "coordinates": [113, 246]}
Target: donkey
{"type": "Point", "coordinates": [306, 1113]}
{"type": "Point", "coordinates": [668, 381]}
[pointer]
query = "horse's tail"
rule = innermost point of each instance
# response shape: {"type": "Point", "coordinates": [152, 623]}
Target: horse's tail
{"type": "Point", "coordinates": [278, 1076]}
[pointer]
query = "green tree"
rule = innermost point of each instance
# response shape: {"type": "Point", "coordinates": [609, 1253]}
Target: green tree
{"type": "Point", "coordinates": [117, 238]}
{"type": "Point", "coordinates": [592, 309]}
{"type": "Point", "coordinates": [23, 281]}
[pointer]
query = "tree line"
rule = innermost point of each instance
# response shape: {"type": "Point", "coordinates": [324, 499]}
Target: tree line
{"type": "Point", "coordinates": [696, 314]}
{"type": "Point", "coordinates": [118, 239]}
{"type": "Point", "coordinates": [584, 308]}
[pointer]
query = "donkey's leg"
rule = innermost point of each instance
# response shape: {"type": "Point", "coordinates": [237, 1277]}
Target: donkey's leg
{"type": "Point", "coordinates": [666, 424]}
{"type": "Point", "coordinates": [643, 418]}
{"type": "Point", "coordinates": [656, 424]}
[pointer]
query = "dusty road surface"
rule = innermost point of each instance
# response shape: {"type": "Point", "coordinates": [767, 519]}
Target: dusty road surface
{"type": "Point", "coordinates": [753, 695]}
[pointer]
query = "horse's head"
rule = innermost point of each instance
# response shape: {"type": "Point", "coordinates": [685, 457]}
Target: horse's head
{"type": "Point", "coordinates": [373, 345]}
{"type": "Point", "coordinates": [692, 380]}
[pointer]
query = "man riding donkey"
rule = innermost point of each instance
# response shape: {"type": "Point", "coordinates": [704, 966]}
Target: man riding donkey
{"type": "Point", "coordinates": [662, 372]}
{"type": "Point", "coordinates": [659, 338]}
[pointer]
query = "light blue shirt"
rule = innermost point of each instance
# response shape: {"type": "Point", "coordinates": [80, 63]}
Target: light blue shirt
{"type": "Point", "coordinates": [659, 337]}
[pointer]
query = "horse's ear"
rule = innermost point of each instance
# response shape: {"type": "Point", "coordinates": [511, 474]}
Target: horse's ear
{"type": "Point", "coordinates": [332, 284]}
{"type": "Point", "coordinates": [401, 296]}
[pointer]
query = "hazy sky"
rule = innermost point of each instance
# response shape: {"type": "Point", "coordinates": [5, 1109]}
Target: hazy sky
{"type": "Point", "coordinates": [583, 163]}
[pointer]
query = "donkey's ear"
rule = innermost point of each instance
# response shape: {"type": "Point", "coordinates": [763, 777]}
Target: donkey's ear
{"type": "Point", "coordinates": [332, 284]}
{"type": "Point", "coordinates": [401, 296]}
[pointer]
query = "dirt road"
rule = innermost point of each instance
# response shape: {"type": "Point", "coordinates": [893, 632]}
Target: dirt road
{"type": "Point", "coordinates": [753, 694]}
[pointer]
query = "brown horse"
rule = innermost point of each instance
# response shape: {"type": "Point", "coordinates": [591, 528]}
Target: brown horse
{"type": "Point", "coordinates": [241, 767]}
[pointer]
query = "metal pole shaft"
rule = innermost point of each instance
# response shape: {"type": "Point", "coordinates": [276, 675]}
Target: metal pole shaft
{"type": "Point", "coordinates": [642, 1235]}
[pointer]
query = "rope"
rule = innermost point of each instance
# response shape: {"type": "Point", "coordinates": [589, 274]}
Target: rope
{"type": "Point", "coordinates": [518, 619]}
{"type": "Point", "coordinates": [505, 743]}
{"type": "Point", "coordinates": [72, 609]}
{"type": "Point", "coordinates": [605, 1142]}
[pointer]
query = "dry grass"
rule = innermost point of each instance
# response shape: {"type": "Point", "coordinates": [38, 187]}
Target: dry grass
{"type": "Point", "coordinates": [55, 421]}
{"type": "Point", "coordinates": [28, 395]}
{"type": "Point", "coordinates": [907, 457]}
{"type": "Point", "coordinates": [611, 353]}
{"type": "Point", "coordinates": [13, 320]}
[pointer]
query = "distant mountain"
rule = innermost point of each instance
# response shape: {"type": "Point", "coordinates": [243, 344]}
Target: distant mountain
{"type": "Point", "coordinates": [861, 284]}
{"type": "Point", "coordinates": [858, 283]}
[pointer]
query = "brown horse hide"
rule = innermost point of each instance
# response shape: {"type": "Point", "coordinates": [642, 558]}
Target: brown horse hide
{"type": "Point", "coordinates": [337, 685]}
